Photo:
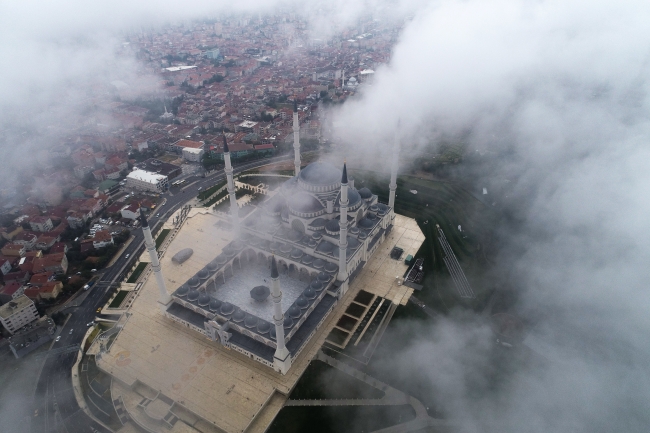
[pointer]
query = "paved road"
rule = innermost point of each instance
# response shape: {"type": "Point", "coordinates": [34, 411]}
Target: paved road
{"type": "Point", "coordinates": [55, 407]}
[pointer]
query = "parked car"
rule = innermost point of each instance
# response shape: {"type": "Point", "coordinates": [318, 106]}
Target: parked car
{"type": "Point", "coordinates": [127, 256]}
{"type": "Point", "coordinates": [71, 331]}
{"type": "Point", "coordinates": [58, 338]}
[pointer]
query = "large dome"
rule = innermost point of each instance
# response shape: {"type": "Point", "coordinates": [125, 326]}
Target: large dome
{"type": "Point", "coordinates": [320, 173]}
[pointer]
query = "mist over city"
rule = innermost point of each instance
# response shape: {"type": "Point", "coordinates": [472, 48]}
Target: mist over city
{"type": "Point", "coordinates": [333, 216]}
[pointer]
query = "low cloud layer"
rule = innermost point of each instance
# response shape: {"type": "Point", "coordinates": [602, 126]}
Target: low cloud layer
{"type": "Point", "coordinates": [562, 85]}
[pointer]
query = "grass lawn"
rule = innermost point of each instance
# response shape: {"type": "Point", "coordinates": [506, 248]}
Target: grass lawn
{"type": "Point", "coordinates": [161, 237]}
{"type": "Point", "coordinates": [118, 299]}
{"type": "Point", "coordinates": [136, 274]}
{"type": "Point", "coordinates": [208, 192]}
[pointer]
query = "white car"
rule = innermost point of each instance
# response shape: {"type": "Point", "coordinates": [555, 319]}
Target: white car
{"type": "Point", "coordinates": [58, 338]}
{"type": "Point", "coordinates": [71, 331]}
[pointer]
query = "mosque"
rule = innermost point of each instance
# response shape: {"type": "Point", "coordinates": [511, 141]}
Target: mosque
{"type": "Point", "coordinates": [292, 260]}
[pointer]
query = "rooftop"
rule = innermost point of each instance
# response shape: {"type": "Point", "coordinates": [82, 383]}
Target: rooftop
{"type": "Point", "coordinates": [17, 304]}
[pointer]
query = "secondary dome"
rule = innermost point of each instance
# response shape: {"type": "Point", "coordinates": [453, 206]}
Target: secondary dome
{"type": "Point", "coordinates": [320, 173]}
{"type": "Point", "coordinates": [303, 202]}
{"type": "Point", "coordinates": [365, 193]}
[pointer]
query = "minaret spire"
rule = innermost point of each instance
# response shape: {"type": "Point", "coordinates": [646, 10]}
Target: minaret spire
{"type": "Point", "coordinates": [343, 233]}
{"type": "Point", "coordinates": [296, 138]}
{"type": "Point", "coordinates": [164, 298]}
{"type": "Point", "coordinates": [234, 208]}
{"type": "Point", "coordinates": [393, 170]}
{"type": "Point", "coordinates": [282, 357]}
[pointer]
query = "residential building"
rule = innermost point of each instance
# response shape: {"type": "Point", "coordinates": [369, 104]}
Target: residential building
{"type": "Point", "coordinates": [57, 263]}
{"type": "Point", "coordinates": [131, 211]}
{"type": "Point", "coordinates": [102, 239]}
{"type": "Point", "coordinates": [41, 224]}
{"type": "Point", "coordinates": [5, 266]}
{"type": "Point", "coordinates": [192, 155]}
{"type": "Point", "coordinates": [17, 313]}
{"type": "Point", "coordinates": [51, 290]}
{"type": "Point", "coordinates": [147, 181]}
{"type": "Point", "coordinates": [11, 291]}
{"type": "Point", "coordinates": [16, 250]}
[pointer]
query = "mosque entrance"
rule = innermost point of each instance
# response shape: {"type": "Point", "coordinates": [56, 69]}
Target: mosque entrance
{"type": "Point", "coordinates": [298, 226]}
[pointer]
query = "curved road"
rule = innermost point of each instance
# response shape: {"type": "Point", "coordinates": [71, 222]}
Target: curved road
{"type": "Point", "coordinates": [55, 406]}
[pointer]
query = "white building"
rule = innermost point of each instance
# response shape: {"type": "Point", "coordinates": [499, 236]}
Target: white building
{"type": "Point", "coordinates": [147, 181]}
{"type": "Point", "coordinates": [191, 154]}
{"type": "Point", "coordinates": [18, 313]}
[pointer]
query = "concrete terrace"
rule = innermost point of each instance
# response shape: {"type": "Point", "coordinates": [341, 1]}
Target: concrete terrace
{"type": "Point", "coordinates": [215, 389]}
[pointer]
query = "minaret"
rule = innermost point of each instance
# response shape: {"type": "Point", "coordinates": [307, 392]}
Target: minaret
{"type": "Point", "coordinates": [343, 233]}
{"type": "Point", "coordinates": [342, 80]}
{"type": "Point", "coordinates": [164, 299]}
{"type": "Point", "coordinates": [296, 138]}
{"type": "Point", "coordinates": [281, 358]}
{"type": "Point", "coordinates": [234, 209]}
{"type": "Point", "coordinates": [393, 171]}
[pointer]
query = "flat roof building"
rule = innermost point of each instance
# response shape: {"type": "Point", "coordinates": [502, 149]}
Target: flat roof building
{"type": "Point", "coordinates": [157, 166]}
{"type": "Point", "coordinates": [193, 155]}
{"type": "Point", "coordinates": [147, 181]}
{"type": "Point", "coordinates": [17, 313]}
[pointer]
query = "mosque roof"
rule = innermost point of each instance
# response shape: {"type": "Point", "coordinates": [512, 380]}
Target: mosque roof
{"type": "Point", "coordinates": [304, 202]}
{"type": "Point", "coordinates": [320, 173]}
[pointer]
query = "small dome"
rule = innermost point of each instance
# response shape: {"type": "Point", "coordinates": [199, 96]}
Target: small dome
{"type": "Point", "coordinates": [202, 274]}
{"type": "Point", "coordinates": [325, 247]}
{"type": "Point", "coordinates": [221, 259]}
{"type": "Point", "coordinates": [354, 231]}
{"type": "Point", "coordinates": [238, 316]}
{"type": "Point", "coordinates": [309, 293]}
{"type": "Point", "coordinates": [182, 290]}
{"type": "Point", "coordinates": [319, 263]}
{"type": "Point", "coordinates": [286, 248]}
{"type": "Point", "coordinates": [331, 267]}
{"type": "Point", "coordinates": [323, 276]}
{"type": "Point", "coordinates": [250, 321]}
{"type": "Point", "coordinates": [317, 224]}
{"type": "Point", "coordinates": [296, 253]}
{"type": "Point", "coordinates": [193, 282]}
{"type": "Point", "coordinates": [260, 293]}
{"type": "Point", "coordinates": [227, 308]}
{"type": "Point", "coordinates": [316, 236]}
{"type": "Point", "coordinates": [294, 312]}
{"type": "Point", "coordinates": [352, 243]}
{"type": "Point", "coordinates": [316, 285]}
{"type": "Point", "coordinates": [263, 326]}
{"type": "Point", "coordinates": [288, 322]}
{"type": "Point", "coordinates": [365, 193]}
{"type": "Point", "coordinates": [374, 208]}
{"type": "Point", "coordinates": [193, 295]}
{"type": "Point", "coordinates": [182, 255]}
{"type": "Point", "coordinates": [365, 223]}
{"type": "Point", "coordinates": [332, 226]}
{"type": "Point", "coordinates": [213, 265]}
{"type": "Point", "coordinates": [303, 202]}
{"type": "Point", "coordinates": [307, 259]}
{"type": "Point", "coordinates": [204, 299]}
{"type": "Point", "coordinates": [302, 303]}
{"type": "Point", "coordinates": [215, 304]}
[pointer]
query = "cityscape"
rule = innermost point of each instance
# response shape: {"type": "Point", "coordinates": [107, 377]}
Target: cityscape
{"type": "Point", "coordinates": [373, 217]}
